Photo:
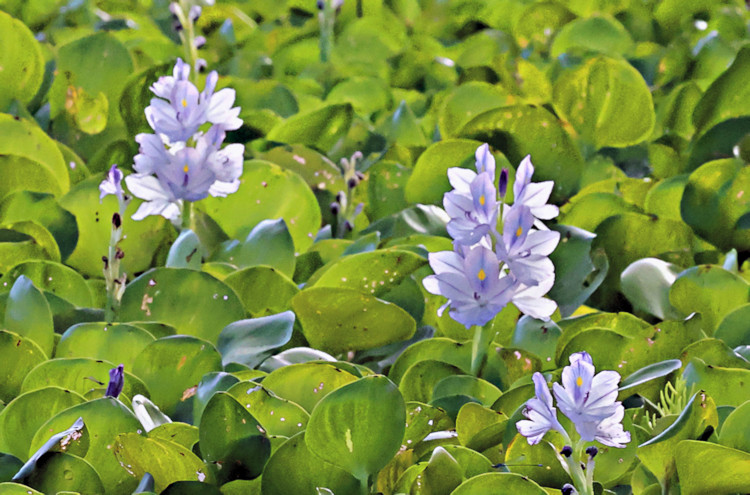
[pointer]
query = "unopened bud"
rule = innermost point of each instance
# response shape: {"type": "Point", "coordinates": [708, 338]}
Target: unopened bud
{"type": "Point", "coordinates": [195, 12]}
{"type": "Point", "coordinates": [360, 175]}
{"type": "Point", "coordinates": [348, 226]}
{"type": "Point", "coordinates": [592, 451]}
{"type": "Point", "coordinates": [335, 207]}
{"type": "Point", "coordinates": [116, 382]}
{"type": "Point", "coordinates": [105, 260]}
{"type": "Point", "coordinates": [175, 8]}
{"type": "Point", "coordinates": [503, 186]}
{"type": "Point", "coordinates": [177, 26]}
{"type": "Point", "coordinates": [341, 197]}
{"type": "Point", "coordinates": [568, 489]}
{"type": "Point", "coordinates": [119, 254]}
{"type": "Point", "coordinates": [116, 220]}
{"type": "Point", "coordinates": [352, 182]}
{"type": "Point", "coordinates": [199, 42]}
{"type": "Point", "coordinates": [320, 4]}
{"type": "Point", "coordinates": [567, 451]}
{"type": "Point", "coordinates": [201, 65]}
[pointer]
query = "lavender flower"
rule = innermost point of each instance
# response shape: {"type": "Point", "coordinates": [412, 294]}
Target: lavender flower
{"type": "Point", "coordinates": [112, 185]}
{"type": "Point", "coordinates": [472, 215]}
{"type": "Point", "coordinates": [530, 300]}
{"type": "Point", "coordinates": [116, 382]}
{"type": "Point", "coordinates": [590, 401]}
{"type": "Point", "coordinates": [533, 195]}
{"type": "Point", "coordinates": [179, 109]}
{"type": "Point", "coordinates": [485, 162]}
{"type": "Point", "coordinates": [474, 285]}
{"type": "Point", "coordinates": [541, 416]}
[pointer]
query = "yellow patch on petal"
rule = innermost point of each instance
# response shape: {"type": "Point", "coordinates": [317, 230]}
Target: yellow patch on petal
{"type": "Point", "coordinates": [519, 231]}
{"type": "Point", "coordinates": [481, 200]}
{"type": "Point", "coordinates": [185, 169]}
{"type": "Point", "coordinates": [579, 381]}
{"type": "Point", "coordinates": [184, 103]}
{"type": "Point", "coordinates": [481, 275]}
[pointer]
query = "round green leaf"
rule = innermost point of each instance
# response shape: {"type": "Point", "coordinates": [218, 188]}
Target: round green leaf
{"type": "Point", "coordinates": [250, 341]}
{"type": "Point", "coordinates": [193, 302]}
{"type": "Point", "coordinates": [179, 433]}
{"type": "Point", "coordinates": [57, 472]}
{"type": "Point", "coordinates": [607, 101]}
{"type": "Point", "coordinates": [51, 277]}
{"type": "Point", "coordinates": [171, 365]}
{"type": "Point", "coordinates": [339, 320]}
{"type": "Point", "coordinates": [262, 289]}
{"type": "Point", "coordinates": [23, 416]}
{"type": "Point", "coordinates": [466, 102]}
{"type": "Point", "coordinates": [267, 191]}
{"type": "Point", "coordinates": [602, 34]}
{"type": "Point", "coordinates": [268, 244]}
{"type": "Point", "coordinates": [733, 328]}
{"type": "Point", "coordinates": [166, 461]}
{"type": "Point", "coordinates": [309, 473]}
{"type": "Point", "coordinates": [358, 427]}
{"type": "Point", "coordinates": [735, 432]}
{"type": "Point", "coordinates": [117, 343]}
{"type": "Point", "coordinates": [386, 181]}
{"type": "Point", "coordinates": [320, 128]}
{"type": "Point", "coordinates": [23, 66]}
{"type": "Point", "coordinates": [729, 468]}
{"type": "Point", "coordinates": [22, 241]}
{"type": "Point", "coordinates": [232, 439]}
{"type": "Point", "coordinates": [94, 218]}
{"type": "Point", "coordinates": [521, 130]}
{"type": "Point", "coordinates": [18, 356]}
{"type": "Point", "coordinates": [104, 418]}
{"type": "Point", "coordinates": [277, 416]}
{"type": "Point", "coordinates": [727, 386]}
{"type": "Point", "coordinates": [28, 314]}
{"type": "Point", "coordinates": [81, 375]}
{"type": "Point", "coordinates": [306, 383]}
{"type": "Point", "coordinates": [499, 483]}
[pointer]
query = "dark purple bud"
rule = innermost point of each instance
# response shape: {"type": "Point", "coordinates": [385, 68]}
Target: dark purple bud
{"type": "Point", "coordinates": [199, 42]}
{"type": "Point", "coordinates": [568, 489]}
{"type": "Point", "coordinates": [352, 182]}
{"type": "Point", "coordinates": [116, 382]}
{"type": "Point", "coordinates": [567, 451]}
{"type": "Point", "coordinates": [116, 221]}
{"type": "Point", "coordinates": [503, 182]}
{"type": "Point", "coordinates": [177, 26]}
{"type": "Point", "coordinates": [105, 260]}
{"type": "Point", "coordinates": [174, 8]}
{"type": "Point", "coordinates": [360, 175]}
{"type": "Point", "coordinates": [119, 254]}
{"type": "Point", "coordinates": [195, 12]}
{"type": "Point", "coordinates": [320, 4]}
{"type": "Point", "coordinates": [348, 226]}
{"type": "Point", "coordinates": [340, 197]}
{"type": "Point", "coordinates": [335, 207]}
{"type": "Point", "coordinates": [200, 65]}
{"type": "Point", "coordinates": [592, 451]}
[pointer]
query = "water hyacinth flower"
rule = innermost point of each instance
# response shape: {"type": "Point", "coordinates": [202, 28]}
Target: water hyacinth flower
{"type": "Point", "coordinates": [589, 400]}
{"type": "Point", "coordinates": [180, 109]}
{"type": "Point", "coordinates": [474, 215]}
{"type": "Point", "coordinates": [112, 184]}
{"type": "Point", "coordinates": [534, 195]}
{"type": "Point", "coordinates": [474, 285]}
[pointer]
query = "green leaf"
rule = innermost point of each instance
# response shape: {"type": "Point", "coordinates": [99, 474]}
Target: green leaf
{"type": "Point", "coordinates": [421, 420]}
{"type": "Point", "coordinates": [359, 426]}
{"type": "Point", "coordinates": [23, 241]}
{"type": "Point", "coordinates": [23, 416]}
{"type": "Point", "coordinates": [185, 252]}
{"type": "Point", "coordinates": [713, 203]}
{"type": "Point", "coordinates": [711, 291]}
{"type": "Point", "coordinates": [366, 94]}
{"type": "Point", "coordinates": [25, 140]}
{"type": "Point", "coordinates": [729, 468]}
{"type": "Point", "coordinates": [439, 349]}
{"type": "Point", "coordinates": [23, 66]}
{"type": "Point", "coordinates": [62, 472]}
{"type": "Point", "coordinates": [420, 380]}
{"type": "Point", "coordinates": [259, 197]}
{"type": "Point", "coordinates": [136, 96]}
{"type": "Point", "coordinates": [52, 442]}
{"type": "Point", "coordinates": [658, 453]}
{"type": "Point", "coordinates": [262, 289]}
{"type": "Point", "coordinates": [479, 427]}
{"type": "Point", "coordinates": [181, 358]}
{"type": "Point", "coordinates": [726, 386]}
{"type": "Point", "coordinates": [232, 440]}
{"type": "Point", "coordinates": [386, 181]}
{"type": "Point", "coordinates": [28, 314]}
{"type": "Point", "coordinates": [403, 129]}
{"type": "Point", "coordinates": [116, 343]}
{"type": "Point", "coordinates": [499, 483]}
{"type": "Point", "coordinates": [319, 172]}
{"type": "Point", "coordinates": [538, 462]}
{"type": "Point", "coordinates": [310, 471]}
{"type": "Point", "coordinates": [306, 383]}
{"type": "Point", "coordinates": [735, 432]}
{"type": "Point", "coordinates": [81, 375]}
{"type": "Point", "coordinates": [9, 465]}
{"type": "Point", "coordinates": [167, 462]}
{"type": "Point", "coordinates": [18, 356]}
{"type": "Point", "coordinates": [250, 341]}
{"type": "Point", "coordinates": [733, 327]}
{"type": "Point", "coordinates": [429, 179]}
{"type": "Point", "coordinates": [601, 34]}
{"type": "Point", "coordinates": [179, 433]}
{"type": "Point", "coordinates": [607, 101]}
{"type": "Point", "coordinates": [376, 272]}
{"type": "Point", "coordinates": [727, 96]}
{"type": "Point", "coordinates": [467, 101]}
{"type": "Point", "coordinates": [17, 489]}
{"type": "Point", "coordinates": [320, 128]}
{"type": "Point", "coordinates": [520, 130]}
{"type": "Point", "coordinates": [268, 244]}
{"type": "Point", "coordinates": [476, 388]}
{"type": "Point", "coordinates": [43, 209]}
{"type": "Point", "coordinates": [104, 418]}
{"type": "Point", "coordinates": [650, 372]}
{"type": "Point", "coordinates": [441, 474]}
{"type": "Point", "coordinates": [53, 278]}
{"type": "Point", "coordinates": [193, 302]}
{"type": "Point", "coordinates": [587, 210]}
{"type": "Point", "coordinates": [646, 284]}
{"type": "Point", "coordinates": [339, 320]}
{"type": "Point", "coordinates": [537, 337]}
{"type": "Point", "coordinates": [94, 217]}
{"type": "Point", "coordinates": [212, 382]}
{"type": "Point", "coordinates": [277, 416]}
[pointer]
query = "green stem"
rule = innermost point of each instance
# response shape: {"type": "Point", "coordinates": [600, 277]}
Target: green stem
{"type": "Point", "coordinates": [480, 345]}
{"type": "Point", "coordinates": [187, 214]}
{"type": "Point", "coordinates": [327, 18]}
{"type": "Point", "coordinates": [187, 37]}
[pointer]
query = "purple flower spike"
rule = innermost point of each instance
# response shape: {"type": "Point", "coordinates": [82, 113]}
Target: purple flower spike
{"type": "Point", "coordinates": [503, 185]}
{"type": "Point", "coordinates": [526, 250]}
{"type": "Point", "coordinates": [541, 417]}
{"type": "Point", "coordinates": [116, 382]}
{"type": "Point", "coordinates": [475, 287]}
{"type": "Point", "coordinates": [472, 215]}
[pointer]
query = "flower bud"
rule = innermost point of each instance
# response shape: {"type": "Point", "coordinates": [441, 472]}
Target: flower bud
{"type": "Point", "coordinates": [348, 226]}
{"type": "Point", "coordinates": [116, 220]}
{"type": "Point", "coordinates": [199, 42]}
{"type": "Point", "coordinates": [352, 182]}
{"type": "Point", "coordinates": [195, 12]}
{"type": "Point", "coordinates": [116, 382]}
{"type": "Point", "coordinates": [503, 186]}
{"type": "Point", "coordinates": [592, 451]}
{"type": "Point", "coordinates": [335, 208]}
{"type": "Point", "coordinates": [566, 451]}
{"type": "Point", "coordinates": [568, 489]}
{"type": "Point", "coordinates": [119, 253]}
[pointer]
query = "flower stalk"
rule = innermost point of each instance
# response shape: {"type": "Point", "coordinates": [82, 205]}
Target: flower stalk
{"type": "Point", "coordinates": [114, 278]}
